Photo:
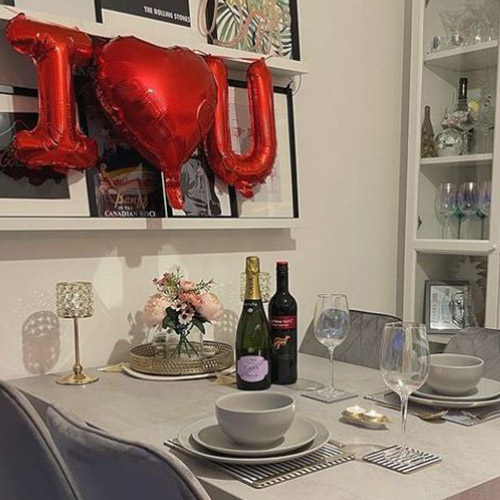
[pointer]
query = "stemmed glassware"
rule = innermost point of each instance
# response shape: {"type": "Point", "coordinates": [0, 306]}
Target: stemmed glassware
{"type": "Point", "coordinates": [467, 201]}
{"type": "Point", "coordinates": [484, 204]}
{"type": "Point", "coordinates": [331, 326]}
{"type": "Point", "coordinates": [446, 206]}
{"type": "Point", "coordinates": [404, 363]}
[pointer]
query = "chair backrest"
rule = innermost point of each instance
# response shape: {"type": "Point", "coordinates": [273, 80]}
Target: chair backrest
{"type": "Point", "coordinates": [362, 344]}
{"type": "Point", "coordinates": [30, 464]}
{"type": "Point", "coordinates": [481, 342]}
{"type": "Point", "coordinates": [107, 467]}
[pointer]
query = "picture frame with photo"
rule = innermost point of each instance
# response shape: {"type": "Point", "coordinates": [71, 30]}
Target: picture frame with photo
{"type": "Point", "coordinates": [447, 305]}
{"type": "Point", "coordinates": [207, 196]}
{"type": "Point", "coordinates": [26, 192]}
{"type": "Point", "coordinates": [225, 20]}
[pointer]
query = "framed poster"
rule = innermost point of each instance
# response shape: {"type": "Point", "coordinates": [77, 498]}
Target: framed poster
{"type": "Point", "coordinates": [278, 196]}
{"type": "Point", "coordinates": [123, 183]}
{"type": "Point", "coordinates": [124, 11]}
{"type": "Point", "coordinates": [239, 24]}
{"type": "Point", "coordinates": [446, 305]}
{"type": "Point", "coordinates": [26, 192]}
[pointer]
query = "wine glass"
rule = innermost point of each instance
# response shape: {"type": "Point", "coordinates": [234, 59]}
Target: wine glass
{"type": "Point", "coordinates": [484, 203]}
{"type": "Point", "coordinates": [446, 206]}
{"type": "Point", "coordinates": [467, 200]}
{"type": "Point", "coordinates": [331, 326]}
{"type": "Point", "coordinates": [404, 362]}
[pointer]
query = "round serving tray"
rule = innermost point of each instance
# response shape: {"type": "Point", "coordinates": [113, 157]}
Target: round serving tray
{"type": "Point", "coordinates": [144, 359]}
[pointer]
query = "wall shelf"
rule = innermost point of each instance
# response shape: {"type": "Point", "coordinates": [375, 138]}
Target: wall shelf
{"type": "Point", "coordinates": [168, 36]}
{"type": "Point", "coordinates": [470, 58]}
{"type": "Point", "coordinates": [109, 224]}
{"type": "Point", "coordinates": [454, 247]}
{"type": "Point", "coordinates": [458, 161]}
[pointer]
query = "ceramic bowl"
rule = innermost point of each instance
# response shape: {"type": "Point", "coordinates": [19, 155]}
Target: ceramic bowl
{"type": "Point", "coordinates": [454, 374]}
{"type": "Point", "coordinates": [255, 419]}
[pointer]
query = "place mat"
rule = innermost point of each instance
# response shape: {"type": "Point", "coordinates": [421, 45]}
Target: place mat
{"type": "Point", "coordinates": [341, 395]}
{"type": "Point", "coordinates": [416, 460]}
{"type": "Point", "coordinates": [262, 476]}
{"type": "Point", "coordinates": [468, 418]}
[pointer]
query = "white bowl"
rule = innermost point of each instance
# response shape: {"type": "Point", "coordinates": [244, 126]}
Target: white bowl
{"type": "Point", "coordinates": [255, 419]}
{"type": "Point", "coordinates": [454, 374]}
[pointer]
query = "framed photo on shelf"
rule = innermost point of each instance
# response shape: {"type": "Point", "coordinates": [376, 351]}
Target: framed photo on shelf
{"type": "Point", "coordinates": [123, 183]}
{"type": "Point", "coordinates": [127, 12]}
{"type": "Point", "coordinates": [27, 192]}
{"type": "Point", "coordinates": [228, 20]}
{"type": "Point", "coordinates": [445, 306]}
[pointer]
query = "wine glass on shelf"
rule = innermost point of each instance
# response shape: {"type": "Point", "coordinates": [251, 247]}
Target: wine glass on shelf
{"type": "Point", "coordinates": [484, 204]}
{"type": "Point", "coordinates": [446, 206]}
{"type": "Point", "coordinates": [467, 200]}
{"type": "Point", "coordinates": [331, 326]}
{"type": "Point", "coordinates": [404, 363]}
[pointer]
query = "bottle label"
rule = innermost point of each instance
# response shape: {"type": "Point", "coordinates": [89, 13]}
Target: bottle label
{"type": "Point", "coordinates": [252, 368]}
{"type": "Point", "coordinates": [284, 322]}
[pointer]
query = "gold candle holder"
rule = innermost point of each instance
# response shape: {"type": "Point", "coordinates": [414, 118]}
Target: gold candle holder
{"type": "Point", "coordinates": [75, 299]}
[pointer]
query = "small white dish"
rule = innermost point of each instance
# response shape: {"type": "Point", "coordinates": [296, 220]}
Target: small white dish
{"type": "Point", "coordinates": [172, 378]}
{"type": "Point", "coordinates": [485, 389]}
{"type": "Point", "coordinates": [210, 435]}
{"type": "Point", "coordinates": [442, 403]}
{"type": "Point", "coordinates": [186, 440]}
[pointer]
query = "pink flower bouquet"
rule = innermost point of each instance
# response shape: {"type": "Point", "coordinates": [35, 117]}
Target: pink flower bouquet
{"type": "Point", "coordinates": [180, 305]}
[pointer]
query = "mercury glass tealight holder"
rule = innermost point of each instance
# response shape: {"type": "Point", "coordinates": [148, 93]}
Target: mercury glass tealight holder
{"type": "Point", "coordinates": [75, 299]}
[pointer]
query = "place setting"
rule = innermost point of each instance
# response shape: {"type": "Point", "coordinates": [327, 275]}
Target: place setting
{"type": "Point", "coordinates": [273, 434]}
{"type": "Point", "coordinates": [455, 391]}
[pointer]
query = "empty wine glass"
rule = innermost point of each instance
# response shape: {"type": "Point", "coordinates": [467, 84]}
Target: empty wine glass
{"type": "Point", "coordinates": [331, 326]}
{"type": "Point", "coordinates": [446, 206]}
{"type": "Point", "coordinates": [404, 362]}
{"type": "Point", "coordinates": [484, 203]}
{"type": "Point", "coordinates": [467, 200]}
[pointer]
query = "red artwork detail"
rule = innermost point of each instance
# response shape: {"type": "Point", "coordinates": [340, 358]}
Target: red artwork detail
{"type": "Point", "coordinates": [247, 170]}
{"type": "Point", "coordinates": [56, 140]}
{"type": "Point", "coordinates": [161, 100]}
{"type": "Point", "coordinates": [280, 342]}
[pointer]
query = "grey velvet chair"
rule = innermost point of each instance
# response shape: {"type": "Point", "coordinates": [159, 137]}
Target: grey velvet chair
{"type": "Point", "coordinates": [362, 344]}
{"type": "Point", "coordinates": [106, 467]}
{"type": "Point", "coordinates": [481, 342]}
{"type": "Point", "coordinates": [30, 464]}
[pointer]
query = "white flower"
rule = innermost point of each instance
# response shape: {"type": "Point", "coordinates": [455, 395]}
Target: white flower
{"type": "Point", "coordinates": [185, 317]}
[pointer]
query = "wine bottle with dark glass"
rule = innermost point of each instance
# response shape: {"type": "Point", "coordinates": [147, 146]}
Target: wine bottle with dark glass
{"type": "Point", "coordinates": [253, 348]}
{"type": "Point", "coordinates": [283, 323]}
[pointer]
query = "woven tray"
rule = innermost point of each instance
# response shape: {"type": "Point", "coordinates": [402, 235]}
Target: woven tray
{"type": "Point", "coordinates": [143, 359]}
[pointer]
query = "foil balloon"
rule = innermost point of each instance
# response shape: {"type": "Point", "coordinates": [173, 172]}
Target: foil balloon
{"type": "Point", "coordinates": [247, 170]}
{"type": "Point", "coordinates": [56, 140]}
{"type": "Point", "coordinates": [162, 101]}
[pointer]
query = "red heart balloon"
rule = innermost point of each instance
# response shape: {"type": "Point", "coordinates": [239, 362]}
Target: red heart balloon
{"type": "Point", "coordinates": [161, 100]}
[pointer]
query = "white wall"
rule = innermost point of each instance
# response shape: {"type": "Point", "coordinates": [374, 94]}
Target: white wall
{"type": "Point", "coordinates": [348, 125]}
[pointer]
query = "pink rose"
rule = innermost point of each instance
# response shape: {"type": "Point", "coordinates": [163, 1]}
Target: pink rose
{"type": "Point", "coordinates": [154, 310]}
{"type": "Point", "coordinates": [211, 307]}
{"type": "Point", "coordinates": [191, 298]}
{"type": "Point", "coordinates": [187, 286]}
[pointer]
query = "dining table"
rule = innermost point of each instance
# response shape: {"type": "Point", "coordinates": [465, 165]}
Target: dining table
{"type": "Point", "coordinates": [154, 411]}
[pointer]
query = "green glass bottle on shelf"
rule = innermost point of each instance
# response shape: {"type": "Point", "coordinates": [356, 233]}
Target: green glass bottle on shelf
{"type": "Point", "coordinates": [428, 149]}
{"type": "Point", "coordinates": [253, 346]}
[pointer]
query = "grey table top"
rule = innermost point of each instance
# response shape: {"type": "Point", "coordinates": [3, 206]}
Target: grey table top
{"type": "Point", "coordinates": [155, 411]}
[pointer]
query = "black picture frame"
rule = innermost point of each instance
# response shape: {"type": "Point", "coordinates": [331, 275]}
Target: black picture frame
{"type": "Point", "coordinates": [295, 30]}
{"type": "Point", "coordinates": [439, 308]}
{"type": "Point", "coordinates": [233, 197]}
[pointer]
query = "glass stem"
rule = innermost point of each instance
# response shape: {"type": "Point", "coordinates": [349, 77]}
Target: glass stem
{"type": "Point", "coordinates": [330, 351]}
{"type": "Point", "coordinates": [404, 413]}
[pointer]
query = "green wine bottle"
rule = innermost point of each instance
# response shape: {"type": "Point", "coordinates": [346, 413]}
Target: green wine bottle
{"type": "Point", "coordinates": [253, 346]}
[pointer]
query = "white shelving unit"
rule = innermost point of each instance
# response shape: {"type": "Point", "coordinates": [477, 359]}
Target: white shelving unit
{"type": "Point", "coordinates": [164, 35]}
{"type": "Point", "coordinates": [434, 78]}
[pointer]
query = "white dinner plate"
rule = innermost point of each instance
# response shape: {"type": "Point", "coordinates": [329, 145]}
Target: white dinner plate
{"type": "Point", "coordinates": [187, 441]}
{"type": "Point", "coordinates": [211, 436]}
{"type": "Point", "coordinates": [441, 403]}
{"type": "Point", "coordinates": [486, 389]}
{"type": "Point", "coordinates": [172, 378]}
